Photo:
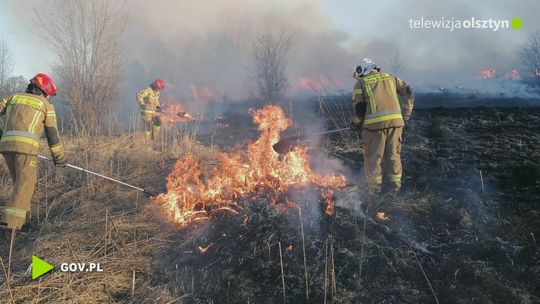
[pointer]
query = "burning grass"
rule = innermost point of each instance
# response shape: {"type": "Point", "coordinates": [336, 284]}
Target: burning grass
{"type": "Point", "coordinates": [172, 112]}
{"type": "Point", "coordinates": [459, 244]}
{"type": "Point", "coordinates": [194, 195]}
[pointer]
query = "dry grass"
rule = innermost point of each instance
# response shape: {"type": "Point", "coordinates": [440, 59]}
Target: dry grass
{"type": "Point", "coordinates": [80, 218]}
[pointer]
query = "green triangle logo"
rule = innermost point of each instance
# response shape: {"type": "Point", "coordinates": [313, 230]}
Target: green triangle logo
{"type": "Point", "coordinates": [40, 267]}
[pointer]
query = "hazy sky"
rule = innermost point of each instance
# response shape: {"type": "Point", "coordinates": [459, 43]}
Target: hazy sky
{"type": "Point", "coordinates": [329, 36]}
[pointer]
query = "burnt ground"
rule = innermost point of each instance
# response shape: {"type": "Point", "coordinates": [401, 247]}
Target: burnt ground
{"type": "Point", "coordinates": [454, 235]}
{"type": "Point", "coordinates": [448, 238]}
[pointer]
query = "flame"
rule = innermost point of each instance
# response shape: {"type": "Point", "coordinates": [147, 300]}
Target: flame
{"type": "Point", "coordinates": [382, 217]}
{"type": "Point", "coordinates": [204, 250]}
{"type": "Point", "coordinates": [487, 74]}
{"type": "Point", "coordinates": [514, 74]}
{"type": "Point", "coordinates": [173, 112]}
{"type": "Point", "coordinates": [491, 73]}
{"type": "Point", "coordinates": [194, 194]}
{"type": "Point", "coordinates": [329, 198]}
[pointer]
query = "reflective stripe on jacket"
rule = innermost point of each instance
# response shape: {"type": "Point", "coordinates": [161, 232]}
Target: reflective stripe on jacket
{"type": "Point", "coordinates": [148, 99]}
{"type": "Point", "coordinates": [376, 104]}
{"type": "Point", "coordinates": [27, 116]}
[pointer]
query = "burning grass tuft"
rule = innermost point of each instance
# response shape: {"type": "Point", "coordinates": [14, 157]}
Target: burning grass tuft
{"type": "Point", "coordinates": [194, 195]}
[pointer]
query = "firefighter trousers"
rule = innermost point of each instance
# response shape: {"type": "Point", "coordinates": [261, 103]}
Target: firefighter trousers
{"type": "Point", "coordinates": [152, 124]}
{"type": "Point", "coordinates": [382, 157]}
{"type": "Point", "coordinates": [23, 169]}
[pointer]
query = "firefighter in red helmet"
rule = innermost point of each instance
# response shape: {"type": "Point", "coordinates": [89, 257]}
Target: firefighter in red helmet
{"type": "Point", "coordinates": [26, 117]}
{"type": "Point", "coordinates": [148, 99]}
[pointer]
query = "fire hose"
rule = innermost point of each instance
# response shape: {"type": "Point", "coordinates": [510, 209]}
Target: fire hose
{"type": "Point", "coordinates": [102, 176]}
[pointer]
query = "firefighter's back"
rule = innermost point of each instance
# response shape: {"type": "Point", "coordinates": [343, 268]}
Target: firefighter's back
{"type": "Point", "coordinates": [383, 109]}
{"type": "Point", "coordinates": [24, 123]}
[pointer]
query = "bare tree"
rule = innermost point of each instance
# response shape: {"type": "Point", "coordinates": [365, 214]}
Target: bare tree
{"type": "Point", "coordinates": [397, 62]}
{"type": "Point", "coordinates": [86, 38]}
{"type": "Point", "coordinates": [530, 56]}
{"type": "Point", "coordinates": [6, 64]}
{"type": "Point", "coordinates": [13, 84]}
{"type": "Point", "coordinates": [270, 52]}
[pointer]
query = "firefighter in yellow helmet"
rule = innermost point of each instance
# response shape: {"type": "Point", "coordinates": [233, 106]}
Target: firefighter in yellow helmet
{"type": "Point", "coordinates": [148, 99]}
{"type": "Point", "coordinates": [378, 110]}
{"type": "Point", "coordinates": [26, 117]}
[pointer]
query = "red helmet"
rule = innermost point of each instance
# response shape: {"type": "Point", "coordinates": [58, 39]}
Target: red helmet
{"type": "Point", "coordinates": [159, 84]}
{"type": "Point", "coordinates": [44, 82]}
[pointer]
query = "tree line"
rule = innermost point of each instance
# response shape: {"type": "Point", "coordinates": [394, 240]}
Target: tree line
{"type": "Point", "coordinates": [86, 38]}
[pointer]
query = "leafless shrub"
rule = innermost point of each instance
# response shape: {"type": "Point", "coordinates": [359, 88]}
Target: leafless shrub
{"type": "Point", "coordinates": [86, 38]}
{"type": "Point", "coordinates": [270, 52]}
{"type": "Point", "coordinates": [13, 84]}
{"type": "Point", "coordinates": [530, 57]}
{"type": "Point", "coordinates": [6, 64]}
{"type": "Point", "coordinates": [9, 84]}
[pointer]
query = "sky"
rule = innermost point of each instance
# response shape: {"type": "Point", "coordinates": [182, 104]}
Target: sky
{"type": "Point", "coordinates": [329, 36]}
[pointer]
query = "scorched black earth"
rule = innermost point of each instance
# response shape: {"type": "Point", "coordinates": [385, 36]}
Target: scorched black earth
{"type": "Point", "coordinates": [464, 230]}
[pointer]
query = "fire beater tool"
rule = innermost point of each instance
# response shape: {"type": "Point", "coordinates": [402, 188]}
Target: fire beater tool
{"type": "Point", "coordinates": [102, 176]}
{"type": "Point", "coordinates": [286, 144]}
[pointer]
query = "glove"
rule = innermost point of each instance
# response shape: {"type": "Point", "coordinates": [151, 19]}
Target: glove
{"type": "Point", "coordinates": [60, 161]}
{"type": "Point", "coordinates": [356, 124]}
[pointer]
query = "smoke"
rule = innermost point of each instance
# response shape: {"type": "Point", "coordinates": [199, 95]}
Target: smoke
{"type": "Point", "coordinates": [207, 43]}
{"type": "Point", "coordinates": [455, 58]}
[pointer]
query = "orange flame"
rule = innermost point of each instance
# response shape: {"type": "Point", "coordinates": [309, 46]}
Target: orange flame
{"type": "Point", "coordinates": [487, 74]}
{"type": "Point", "coordinates": [193, 194]}
{"type": "Point", "coordinates": [514, 74]}
{"type": "Point", "coordinates": [381, 216]}
{"type": "Point", "coordinates": [329, 198]}
{"type": "Point", "coordinates": [173, 112]}
{"type": "Point", "coordinates": [204, 250]}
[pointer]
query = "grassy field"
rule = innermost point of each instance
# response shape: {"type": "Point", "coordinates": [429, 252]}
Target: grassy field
{"type": "Point", "coordinates": [455, 235]}
{"type": "Point", "coordinates": [78, 218]}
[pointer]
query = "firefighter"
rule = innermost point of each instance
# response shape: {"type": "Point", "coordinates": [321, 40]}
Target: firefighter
{"type": "Point", "coordinates": [148, 99]}
{"type": "Point", "coordinates": [26, 116]}
{"type": "Point", "coordinates": [381, 116]}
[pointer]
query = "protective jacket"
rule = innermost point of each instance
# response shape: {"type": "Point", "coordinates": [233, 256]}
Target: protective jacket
{"type": "Point", "coordinates": [148, 99]}
{"type": "Point", "coordinates": [26, 117]}
{"type": "Point", "coordinates": [376, 104]}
